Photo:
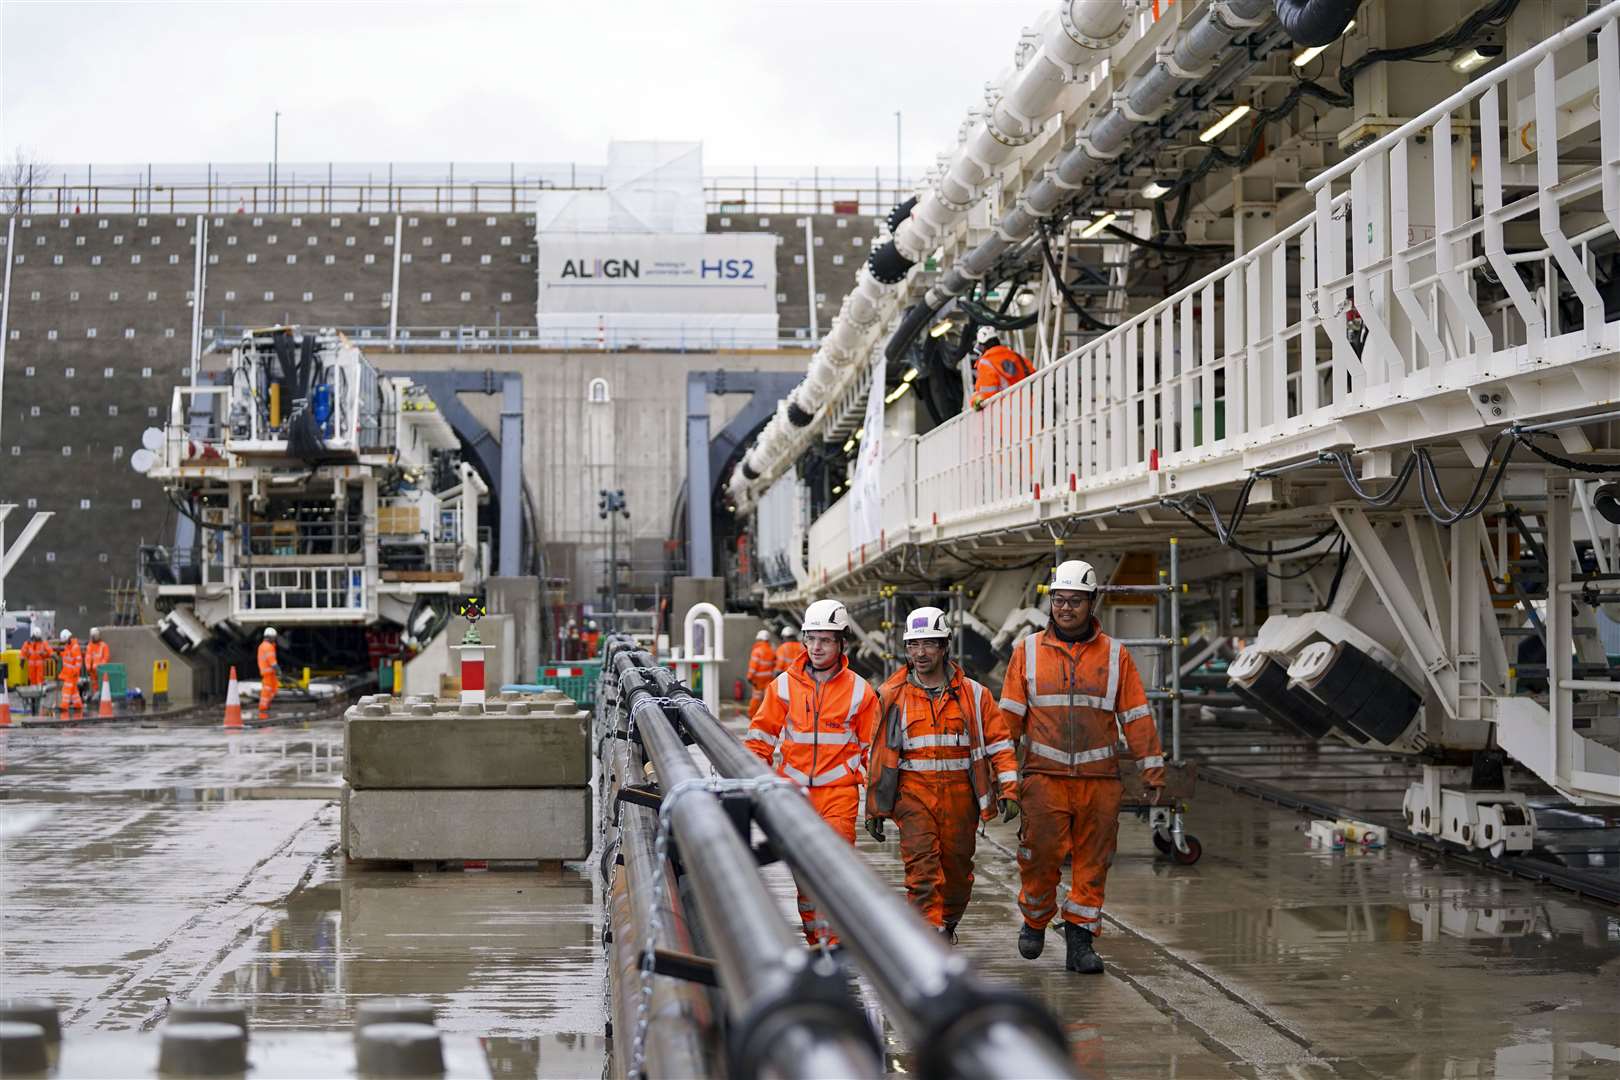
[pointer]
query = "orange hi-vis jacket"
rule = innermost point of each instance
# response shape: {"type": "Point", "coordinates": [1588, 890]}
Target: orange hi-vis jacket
{"type": "Point", "coordinates": [824, 729]}
{"type": "Point", "coordinates": [71, 659]}
{"type": "Point", "coordinates": [761, 665]}
{"type": "Point", "coordinates": [1063, 700]}
{"type": "Point", "coordinates": [957, 731]}
{"type": "Point", "coordinates": [34, 654]}
{"type": "Point", "coordinates": [786, 653]}
{"type": "Point", "coordinates": [96, 653]}
{"type": "Point", "coordinates": [998, 368]}
{"type": "Point", "coordinates": [267, 659]}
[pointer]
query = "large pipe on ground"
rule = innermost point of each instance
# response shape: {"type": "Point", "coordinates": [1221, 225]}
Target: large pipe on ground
{"type": "Point", "coordinates": [956, 1025]}
{"type": "Point", "coordinates": [789, 1016]}
{"type": "Point", "coordinates": [681, 1036]}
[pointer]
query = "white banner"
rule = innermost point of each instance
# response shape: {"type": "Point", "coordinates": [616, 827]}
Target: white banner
{"type": "Point", "coordinates": [866, 490]}
{"type": "Point", "coordinates": [710, 274]}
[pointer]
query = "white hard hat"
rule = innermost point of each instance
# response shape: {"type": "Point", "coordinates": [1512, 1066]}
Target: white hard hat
{"type": "Point", "coordinates": [34, 631]}
{"type": "Point", "coordinates": [269, 631]}
{"type": "Point", "coordinates": [1075, 575]}
{"type": "Point", "coordinates": [926, 623]}
{"type": "Point", "coordinates": [66, 635]}
{"type": "Point", "coordinates": [986, 335]}
{"type": "Point", "coordinates": [790, 631]}
{"type": "Point", "coordinates": [95, 632]}
{"type": "Point", "coordinates": [763, 635]}
{"type": "Point", "coordinates": [827, 615]}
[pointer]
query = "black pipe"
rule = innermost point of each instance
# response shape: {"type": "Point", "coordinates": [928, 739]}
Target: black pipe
{"type": "Point", "coordinates": [781, 1003]}
{"type": "Point", "coordinates": [681, 1036]}
{"type": "Point", "coordinates": [956, 1025]}
{"type": "Point", "coordinates": [1315, 22]}
{"type": "Point", "coordinates": [797, 416]}
{"type": "Point", "coordinates": [900, 213]}
{"type": "Point", "coordinates": [917, 316]}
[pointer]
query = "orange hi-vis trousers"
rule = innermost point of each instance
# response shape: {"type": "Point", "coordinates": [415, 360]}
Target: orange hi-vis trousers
{"type": "Point", "coordinates": [937, 815]}
{"type": "Point", "coordinates": [837, 807]}
{"type": "Point", "coordinates": [1064, 815]}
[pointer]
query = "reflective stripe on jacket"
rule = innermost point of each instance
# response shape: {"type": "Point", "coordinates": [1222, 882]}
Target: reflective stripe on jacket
{"type": "Point", "coordinates": [1063, 701]}
{"type": "Point", "coordinates": [822, 728]}
{"type": "Point", "coordinates": [960, 730]}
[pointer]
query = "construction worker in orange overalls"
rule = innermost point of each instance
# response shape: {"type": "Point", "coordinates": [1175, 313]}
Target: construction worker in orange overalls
{"type": "Point", "coordinates": [821, 715]}
{"type": "Point", "coordinates": [35, 652]}
{"type": "Point", "coordinates": [96, 653]}
{"type": "Point", "coordinates": [761, 670]}
{"type": "Point", "coordinates": [70, 666]}
{"type": "Point", "coordinates": [790, 649]}
{"type": "Point", "coordinates": [1069, 690]}
{"type": "Point", "coordinates": [591, 639]}
{"type": "Point", "coordinates": [998, 368]}
{"type": "Point", "coordinates": [942, 760]}
{"type": "Point", "coordinates": [269, 672]}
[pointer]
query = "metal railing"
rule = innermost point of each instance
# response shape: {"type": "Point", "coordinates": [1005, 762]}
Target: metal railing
{"type": "Point", "coordinates": [1355, 309]}
{"type": "Point", "coordinates": [323, 591]}
{"type": "Point", "coordinates": [503, 338]}
{"type": "Point", "coordinates": [872, 196]}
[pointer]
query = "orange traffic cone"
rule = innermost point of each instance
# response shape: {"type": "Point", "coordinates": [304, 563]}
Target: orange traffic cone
{"type": "Point", "coordinates": [233, 703]}
{"type": "Point", "coordinates": [106, 708]}
{"type": "Point", "coordinates": [5, 705]}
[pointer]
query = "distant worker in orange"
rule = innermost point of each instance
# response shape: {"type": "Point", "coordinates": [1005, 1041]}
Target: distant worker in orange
{"type": "Point", "coordinates": [942, 760]}
{"type": "Point", "coordinates": [822, 716]}
{"type": "Point", "coordinates": [790, 649]}
{"type": "Point", "coordinates": [269, 672]}
{"type": "Point", "coordinates": [1069, 691]}
{"type": "Point", "coordinates": [35, 652]}
{"type": "Point", "coordinates": [998, 368]}
{"type": "Point", "coordinates": [591, 639]}
{"type": "Point", "coordinates": [761, 670]}
{"type": "Point", "coordinates": [96, 653]}
{"type": "Point", "coordinates": [70, 668]}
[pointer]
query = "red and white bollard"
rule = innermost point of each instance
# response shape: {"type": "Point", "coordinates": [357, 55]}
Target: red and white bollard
{"type": "Point", "coordinates": [472, 672]}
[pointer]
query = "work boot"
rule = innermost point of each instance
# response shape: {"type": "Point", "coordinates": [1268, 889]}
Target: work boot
{"type": "Point", "coordinates": [1082, 957]}
{"type": "Point", "coordinates": [948, 932]}
{"type": "Point", "coordinates": [1030, 941]}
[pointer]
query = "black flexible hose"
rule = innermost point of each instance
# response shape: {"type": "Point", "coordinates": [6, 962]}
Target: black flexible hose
{"type": "Point", "coordinates": [1315, 22]}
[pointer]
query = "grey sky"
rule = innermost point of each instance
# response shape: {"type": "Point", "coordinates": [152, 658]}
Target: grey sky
{"type": "Point", "coordinates": [783, 85]}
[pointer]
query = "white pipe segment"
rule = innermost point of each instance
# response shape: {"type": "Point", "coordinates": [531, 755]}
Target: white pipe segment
{"type": "Point", "coordinates": [1070, 40]}
{"type": "Point", "coordinates": [1050, 58]}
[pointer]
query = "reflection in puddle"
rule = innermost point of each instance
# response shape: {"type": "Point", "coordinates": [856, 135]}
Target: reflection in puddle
{"type": "Point", "coordinates": [508, 953]}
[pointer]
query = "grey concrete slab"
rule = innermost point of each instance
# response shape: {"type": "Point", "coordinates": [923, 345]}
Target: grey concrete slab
{"type": "Point", "coordinates": [540, 750]}
{"type": "Point", "coordinates": [502, 823]}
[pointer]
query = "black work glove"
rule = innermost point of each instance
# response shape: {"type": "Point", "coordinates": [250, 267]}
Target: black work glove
{"type": "Point", "coordinates": [1009, 809]}
{"type": "Point", "coordinates": [874, 829]}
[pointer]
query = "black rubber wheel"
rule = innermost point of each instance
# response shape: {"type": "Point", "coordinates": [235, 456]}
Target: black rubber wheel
{"type": "Point", "coordinates": [1163, 843]}
{"type": "Point", "coordinates": [1194, 852]}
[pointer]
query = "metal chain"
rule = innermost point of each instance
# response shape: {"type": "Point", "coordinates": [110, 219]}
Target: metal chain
{"type": "Point", "coordinates": [716, 785]}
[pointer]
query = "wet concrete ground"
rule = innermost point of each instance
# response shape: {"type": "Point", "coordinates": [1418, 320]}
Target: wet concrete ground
{"type": "Point", "coordinates": [154, 864]}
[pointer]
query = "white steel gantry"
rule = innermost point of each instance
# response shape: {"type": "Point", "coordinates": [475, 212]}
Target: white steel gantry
{"type": "Point", "coordinates": [1442, 319]}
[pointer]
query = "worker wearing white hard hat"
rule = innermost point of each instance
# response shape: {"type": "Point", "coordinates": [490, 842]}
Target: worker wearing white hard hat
{"type": "Point", "coordinates": [942, 761]}
{"type": "Point", "coordinates": [36, 652]}
{"type": "Point", "coordinates": [70, 665]}
{"type": "Point", "coordinates": [269, 672]}
{"type": "Point", "coordinates": [1070, 689]}
{"type": "Point", "coordinates": [790, 649]}
{"type": "Point", "coordinates": [820, 715]}
{"type": "Point", "coordinates": [761, 670]}
{"type": "Point", "coordinates": [998, 367]}
{"type": "Point", "coordinates": [96, 653]}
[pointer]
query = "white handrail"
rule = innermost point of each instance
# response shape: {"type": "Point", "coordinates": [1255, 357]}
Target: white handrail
{"type": "Point", "coordinates": [1525, 60]}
